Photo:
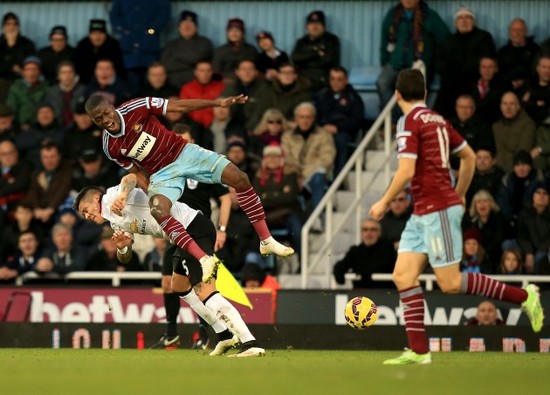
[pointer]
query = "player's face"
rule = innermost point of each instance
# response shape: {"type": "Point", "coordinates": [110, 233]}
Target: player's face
{"type": "Point", "coordinates": [486, 314]}
{"type": "Point", "coordinates": [90, 210]}
{"type": "Point", "coordinates": [517, 33]}
{"type": "Point", "coordinates": [105, 117]}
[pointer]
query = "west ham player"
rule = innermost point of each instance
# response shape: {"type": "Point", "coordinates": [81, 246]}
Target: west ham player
{"type": "Point", "coordinates": [95, 205]}
{"type": "Point", "coordinates": [433, 233]}
{"type": "Point", "coordinates": [162, 161]}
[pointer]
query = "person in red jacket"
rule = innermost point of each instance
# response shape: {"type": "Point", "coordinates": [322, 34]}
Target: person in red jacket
{"type": "Point", "coordinates": [206, 85]}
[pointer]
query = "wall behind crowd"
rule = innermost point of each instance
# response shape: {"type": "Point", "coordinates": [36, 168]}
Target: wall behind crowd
{"type": "Point", "coordinates": [357, 23]}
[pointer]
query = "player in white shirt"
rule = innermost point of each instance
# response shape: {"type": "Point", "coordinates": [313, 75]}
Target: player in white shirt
{"type": "Point", "coordinates": [135, 217]}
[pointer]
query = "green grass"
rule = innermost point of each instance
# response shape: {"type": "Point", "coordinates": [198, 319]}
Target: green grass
{"type": "Point", "coordinates": [186, 372]}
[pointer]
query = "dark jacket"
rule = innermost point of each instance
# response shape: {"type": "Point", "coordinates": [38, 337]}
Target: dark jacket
{"type": "Point", "coordinates": [73, 261]}
{"type": "Point", "coordinates": [515, 193]}
{"type": "Point", "coordinates": [116, 93]}
{"type": "Point", "coordinates": [51, 59]}
{"type": "Point", "coordinates": [251, 113]}
{"type": "Point", "coordinates": [345, 110]}
{"type": "Point", "coordinates": [286, 98]}
{"type": "Point", "coordinates": [264, 62]}
{"type": "Point", "coordinates": [14, 184]}
{"type": "Point", "coordinates": [55, 193]}
{"type": "Point", "coordinates": [488, 107]}
{"type": "Point", "coordinates": [493, 233]}
{"type": "Point", "coordinates": [476, 131]}
{"type": "Point", "coordinates": [86, 57]}
{"type": "Point", "coordinates": [516, 63]}
{"type": "Point", "coordinates": [228, 56]}
{"type": "Point", "coordinates": [537, 93]}
{"type": "Point", "coordinates": [534, 231]}
{"type": "Point", "coordinates": [490, 181]}
{"type": "Point", "coordinates": [364, 260]}
{"type": "Point", "coordinates": [11, 56]}
{"type": "Point", "coordinates": [315, 57]}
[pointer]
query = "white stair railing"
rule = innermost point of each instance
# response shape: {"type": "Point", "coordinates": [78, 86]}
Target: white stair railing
{"type": "Point", "coordinates": [326, 205]}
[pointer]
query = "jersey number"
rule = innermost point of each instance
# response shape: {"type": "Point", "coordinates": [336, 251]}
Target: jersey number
{"type": "Point", "coordinates": [443, 138]}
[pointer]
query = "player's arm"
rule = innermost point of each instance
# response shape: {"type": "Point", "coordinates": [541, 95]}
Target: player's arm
{"type": "Point", "coordinates": [403, 175]}
{"type": "Point", "coordinates": [123, 244]}
{"type": "Point", "coordinates": [186, 105]}
{"type": "Point", "coordinates": [466, 170]}
{"type": "Point", "coordinates": [225, 212]}
{"type": "Point", "coordinates": [127, 184]}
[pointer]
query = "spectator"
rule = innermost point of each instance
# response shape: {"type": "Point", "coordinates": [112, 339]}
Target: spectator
{"type": "Point", "coordinates": [287, 90]}
{"type": "Point", "coordinates": [58, 51]}
{"type": "Point", "coordinates": [534, 228]}
{"type": "Point", "coordinates": [238, 154]}
{"type": "Point", "coordinates": [139, 25]}
{"type": "Point", "coordinates": [223, 126]}
{"type": "Point", "coordinates": [153, 259]}
{"type": "Point", "coordinates": [203, 86]}
{"type": "Point", "coordinates": [474, 259]}
{"type": "Point", "coordinates": [513, 132]}
{"type": "Point", "coordinates": [82, 134]}
{"type": "Point", "coordinates": [66, 94]}
{"type": "Point", "coordinates": [14, 181]}
{"type": "Point", "coordinates": [14, 48]}
{"type": "Point", "coordinates": [536, 99]}
{"type": "Point", "coordinates": [253, 276]}
{"type": "Point", "coordinates": [484, 215]}
{"type": "Point", "coordinates": [23, 222]}
{"type": "Point", "coordinates": [50, 185]}
{"type": "Point", "coordinates": [27, 93]}
{"type": "Point", "coordinates": [517, 187]}
{"type": "Point", "coordinates": [487, 176]}
{"type": "Point", "coordinates": [510, 262]}
{"type": "Point", "coordinates": [316, 52]}
{"type": "Point", "coordinates": [516, 57]}
{"type": "Point", "coordinates": [373, 255]}
{"type": "Point", "coordinates": [85, 233]}
{"type": "Point", "coordinates": [394, 221]}
{"type": "Point", "coordinates": [180, 56]}
{"type": "Point", "coordinates": [64, 257]}
{"type": "Point", "coordinates": [270, 130]}
{"type": "Point", "coordinates": [486, 315]}
{"type": "Point", "coordinates": [459, 57]}
{"type": "Point", "coordinates": [229, 56]}
{"type": "Point", "coordinates": [157, 84]}
{"type": "Point", "coordinates": [250, 85]}
{"type": "Point", "coordinates": [541, 151]}
{"type": "Point", "coordinates": [473, 128]}
{"type": "Point", "coordinates": [22, 261]}
{"type": "Point", "coordinates": [411, 35]}
{"type": "Point", "coordinates": [311, 150]}
{"type": "Point", "coordinates": [108, 84]}
{"type": "Point", "coordinates": [97, 45]}
{"type": "Point", "coordinates": [341, 113]}
{"type": "Point", "coordinates": [488, 89]}
{"type": "Point", "coordinates": [277, 185]}
{"type": "Point", "coordinates": [105, 260]}
{"type": "Point", "coordinates": [94, 170]}
{"type": "Point", "coordinates": [8, 129]}
{"type": "Point", "coordinates": [271, 58]}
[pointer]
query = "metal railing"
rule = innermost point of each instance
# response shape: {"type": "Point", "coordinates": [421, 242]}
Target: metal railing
{"type": "Point", "coordinates": [326, 205]}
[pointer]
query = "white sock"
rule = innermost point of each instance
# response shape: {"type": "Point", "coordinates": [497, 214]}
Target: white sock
{"type": "Point", "coordinates": [208, 315]}
{"type": "Point", "coordinates": [229, 314]}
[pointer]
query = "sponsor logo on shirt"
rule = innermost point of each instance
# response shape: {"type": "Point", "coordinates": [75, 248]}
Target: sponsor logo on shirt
{"type": "Point", "coordinates": [137, 127]}
{"type": "Point", "coordinates": [142, 147]}
{"type": "Point", "coordinates": [157, 102]}
{"type": "Point", "coordinates": [401, 143]}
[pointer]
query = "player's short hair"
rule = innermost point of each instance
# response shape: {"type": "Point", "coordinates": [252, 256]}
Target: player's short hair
{"type": "Point", "coordinates": [411, 85]}
{"type": "Point", "coordinates": [93, 102]}
{"type": "Point", "coordinates": [86, 194]}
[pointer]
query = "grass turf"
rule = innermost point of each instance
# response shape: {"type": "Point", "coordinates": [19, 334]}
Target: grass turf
{"type": "Point", "coordinates": [95, 371]}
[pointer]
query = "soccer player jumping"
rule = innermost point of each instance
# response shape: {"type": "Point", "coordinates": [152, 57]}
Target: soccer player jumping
{"type": "Point", "coordinates": [433, 234]}
{"type": "Point", "coordinates": [161, 160]}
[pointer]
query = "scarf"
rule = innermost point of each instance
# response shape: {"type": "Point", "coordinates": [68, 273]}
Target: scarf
{"type": "Point", "coordinates": [419, 13]}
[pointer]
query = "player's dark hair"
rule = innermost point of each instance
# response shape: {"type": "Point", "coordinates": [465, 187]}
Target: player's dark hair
{"type": "Point", "coordinates": [93, 102]}
{"type": "Point", "coordinates": [411, 85]}
{"type": "Point", "coordinates": [85, 194]}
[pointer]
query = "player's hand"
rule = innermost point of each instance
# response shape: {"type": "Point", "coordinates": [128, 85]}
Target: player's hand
{"type": "Point", "coordinates": [378, 210]}
{"type": "Point", "coordinates": [118, 205]}
{"type": "Point", "coordinates": [220, 240]}
{"type": "Point", "coordinates": [229, 101]}
{"type": "Point", "coordinates": [121, 239]}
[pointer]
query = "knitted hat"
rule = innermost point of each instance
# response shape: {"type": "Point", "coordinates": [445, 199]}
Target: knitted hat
{"type": "Point", "coordinates": [98, 25]}
{"type": "Point", "coordinates": [32, 59]}
{"type": "Point", "coordinates": [523, 157]}
{"type": "Point", "coordinates": [264, 34]}
{"type": "Point", "coordinates": [187, 15]}
{"type": "Point", "coordinates": [316, 17]}
{"type": "Point", "coordinates": [59, 30]}
{"type": "Point", "coordinates": [273, 149]}
{"type": "Point", "coordinates": [472, 233]}
{"type": "Point", "coordinates": [10, 16]}
{"type": "Point", "coordinates": [464, 11]}
{"type": "Point", "coordinates": [235, 23]}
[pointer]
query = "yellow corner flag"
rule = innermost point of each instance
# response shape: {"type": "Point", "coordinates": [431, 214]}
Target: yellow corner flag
{"type": "Point", "coordinates": [230, 287]}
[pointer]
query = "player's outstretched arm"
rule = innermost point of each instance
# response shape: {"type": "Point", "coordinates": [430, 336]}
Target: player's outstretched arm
{"type": "Point", "coordinates": [186, 105]}
{"type": "Point", "coordinates": [403, 175]}
{"type": "Point", "coordinates": [466, 170]}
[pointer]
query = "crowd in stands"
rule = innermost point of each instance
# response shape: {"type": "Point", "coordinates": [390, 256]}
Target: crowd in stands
{"type": "Point", "coordinates": [291, 138]}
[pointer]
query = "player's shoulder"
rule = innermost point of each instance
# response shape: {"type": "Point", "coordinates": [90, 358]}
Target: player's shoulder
{"type": "Point", "coordinates": [111, 194]}
{"type": "Point", "coordinates": [132, 105]}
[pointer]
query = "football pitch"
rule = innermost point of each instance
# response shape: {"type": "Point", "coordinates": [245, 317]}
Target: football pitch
{"type": "Point", "coordinates": [95, 371]}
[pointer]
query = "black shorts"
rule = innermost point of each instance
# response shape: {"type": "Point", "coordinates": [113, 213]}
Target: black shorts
{"type": "Point", "coordinates": [202, 230]}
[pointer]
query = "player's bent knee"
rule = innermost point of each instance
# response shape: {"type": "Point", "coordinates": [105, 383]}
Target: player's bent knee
{"type": "Point", "coordinates": [449, 286]}
{"type": "Point", "coordinates": [159, 206]}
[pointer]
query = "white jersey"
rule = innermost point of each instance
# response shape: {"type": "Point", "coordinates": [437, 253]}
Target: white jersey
{"type": "Point", "coordinates": [136, 217]}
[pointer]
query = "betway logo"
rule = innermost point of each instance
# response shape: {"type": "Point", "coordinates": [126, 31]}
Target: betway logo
{"type": "Point", "coordinates": [453, 316]}
{"type": "Point", "coordinates": [142, 146]}
{"type": "Point", "coordinates": [100, 308]}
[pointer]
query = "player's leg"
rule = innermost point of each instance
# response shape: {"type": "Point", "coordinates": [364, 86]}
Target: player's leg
{"type": "Point", "coordinates": [447, 246]}
{"type": "Point", "coordinates": [160, 206]}
{"type": "Point", "coordinates": [229, 314]}
{"type": "Point", "coordinates": [250, 203]}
